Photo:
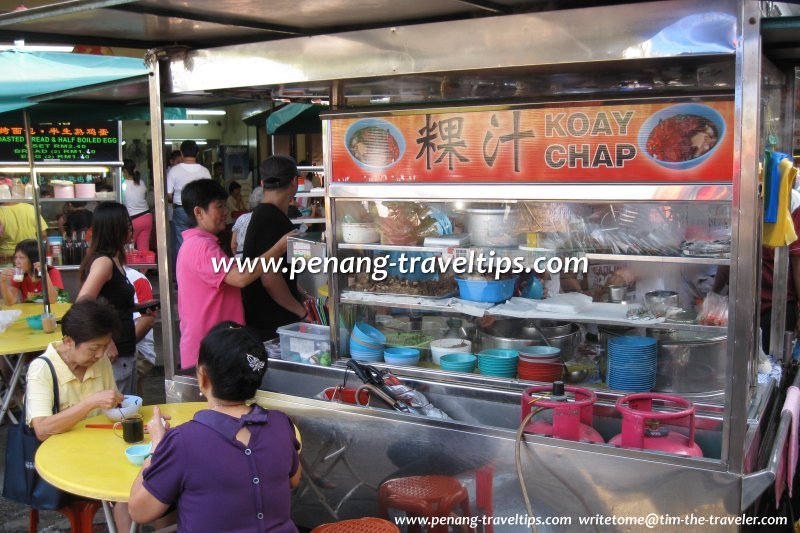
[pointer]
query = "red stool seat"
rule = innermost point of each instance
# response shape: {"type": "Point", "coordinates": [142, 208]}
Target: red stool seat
{"type": "Point", "coordinates": [359, 525]}
{"type": "Point", "coordinates": [427, 496]}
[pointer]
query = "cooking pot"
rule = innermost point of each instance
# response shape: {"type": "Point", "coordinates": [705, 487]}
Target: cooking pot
{"type": "Point", "coordinates": [512, 334]}
{"type": "Point", "coordinates": [690, 362]}
{"type": "Point", "coordinates": [493, 225]}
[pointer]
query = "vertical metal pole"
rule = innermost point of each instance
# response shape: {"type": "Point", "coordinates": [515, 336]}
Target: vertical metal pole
{"type": "Point", "coordinates": [162, 231]}
{"type": "Point", "coordinates": [26, 119]}
{"type": "Point", "coordinates": [745, 242]}
{"type": "Point", "coordinates": [330, 219]}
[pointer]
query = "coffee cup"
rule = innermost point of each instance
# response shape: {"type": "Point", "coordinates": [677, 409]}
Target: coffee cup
{"type": "Point", "coordinates": [49, 323]}
{"type": "Point", "coordinates": [19, 275]}
{"type": "Point", "coordinates": [132, 429]}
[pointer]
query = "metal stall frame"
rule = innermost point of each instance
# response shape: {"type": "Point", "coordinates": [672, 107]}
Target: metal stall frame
{"type": "Point", "coordinates": [560, 38]}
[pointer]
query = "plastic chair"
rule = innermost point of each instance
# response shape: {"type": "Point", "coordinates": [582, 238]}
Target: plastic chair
{"type": "Point", "coordinates": [427, 496]}
{"type": "Point", "coordinates": [359, 525]}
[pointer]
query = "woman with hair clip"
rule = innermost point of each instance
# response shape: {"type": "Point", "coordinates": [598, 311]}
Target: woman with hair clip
{"type": "Point", "coordinates": [26, 259]}
{"type": "Point", "coordinates": [249, 455]}
{"type": "Point", "coordinates": [135, 198]}
{"type": "Point", "coordinates": [102, 275]}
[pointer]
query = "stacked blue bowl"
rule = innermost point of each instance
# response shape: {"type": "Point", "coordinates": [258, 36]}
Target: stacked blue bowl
{"type": "Point", "coordinates": [458, 362]}
{"type": "Point", "coordinates": [498, 362]}
{"type": "Point", "coordinates": [366, 343]}
{"type": "Point", "coordinates": [401, 356]}
{"type": "Point", "coordinates": [632, 363]}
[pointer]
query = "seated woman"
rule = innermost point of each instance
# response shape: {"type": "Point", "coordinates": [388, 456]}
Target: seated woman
{"type": "Point", "coordinates": [233, 466]}
{"type": "Point", "coordinates": [85, 378]}
{"type": "Point", "coordinates": [26, 258]}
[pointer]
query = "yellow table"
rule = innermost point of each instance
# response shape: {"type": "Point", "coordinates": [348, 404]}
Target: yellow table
{"type": "Point", "coordinates": [19, 339]}
{"type": "Point", "coordinates": [91, 462]}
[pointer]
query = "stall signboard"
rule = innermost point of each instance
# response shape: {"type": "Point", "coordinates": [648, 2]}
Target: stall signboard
{"type": "Point", "coordinates": [688, 142]}
{"type": "Point", "coordinates": [61, 142]}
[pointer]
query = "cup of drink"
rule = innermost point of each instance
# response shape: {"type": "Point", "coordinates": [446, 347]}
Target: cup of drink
{"type": "Point", "coordinates": [49, 323]}
{"type": "Point", "coordinates": [132, 428]}
{"type": "Point", "coordinates": [19, 275]}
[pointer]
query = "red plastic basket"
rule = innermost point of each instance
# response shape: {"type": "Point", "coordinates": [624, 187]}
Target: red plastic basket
{"type": "Point", "coordinates": [137, 257]}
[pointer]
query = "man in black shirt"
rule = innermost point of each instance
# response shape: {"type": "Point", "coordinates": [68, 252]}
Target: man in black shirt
{"type": "Point", "coordinates": [274, 300]}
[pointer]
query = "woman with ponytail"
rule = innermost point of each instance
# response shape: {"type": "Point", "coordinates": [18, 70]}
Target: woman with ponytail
{"type": "Point", "coordinates": [136, 202]}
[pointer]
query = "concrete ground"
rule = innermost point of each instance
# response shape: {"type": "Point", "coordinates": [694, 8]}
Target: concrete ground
{"type": "Point", "coordinates": [14, 517]}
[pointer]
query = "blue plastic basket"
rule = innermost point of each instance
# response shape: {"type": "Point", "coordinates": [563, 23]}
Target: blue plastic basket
{"type": "Point", "coordinates": [486, 291]}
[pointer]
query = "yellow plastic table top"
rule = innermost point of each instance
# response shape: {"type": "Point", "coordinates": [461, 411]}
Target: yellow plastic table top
{"type": "Point", "coordinates": [91, 462]}
{"type": "Point", "coordinates": [20, 338]}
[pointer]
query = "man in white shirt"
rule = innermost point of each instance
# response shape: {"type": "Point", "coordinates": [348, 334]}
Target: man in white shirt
{"type": "Point", "coordinates": [177, 178]}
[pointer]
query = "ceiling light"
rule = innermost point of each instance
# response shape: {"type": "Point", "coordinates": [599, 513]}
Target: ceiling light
{"type": "Point", "coordinates": [55, 170]}
{"type": "Point", "coordinates": [186, 121]}
{"type": "Point", "coordinates": [199, 142]}
{"type": "Point", "coordinates": [205, 112]}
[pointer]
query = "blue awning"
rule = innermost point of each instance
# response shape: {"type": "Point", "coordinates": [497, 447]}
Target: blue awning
{"type": "Point", "coordinates": [33, 74]}
{"type": "Point", "coordinates": [295, 118]}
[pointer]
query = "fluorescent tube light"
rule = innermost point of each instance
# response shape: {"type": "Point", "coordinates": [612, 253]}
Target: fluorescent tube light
{"type": "Point", "coordinates": [186, 121]}
{"type": "Point", "coordinates": [55, 170]}
{"type": "Point", "coordinates": [205, 112]}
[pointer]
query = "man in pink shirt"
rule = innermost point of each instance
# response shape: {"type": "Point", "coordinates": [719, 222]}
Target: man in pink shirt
{"type": "Point", "coordinates": [207, 297]}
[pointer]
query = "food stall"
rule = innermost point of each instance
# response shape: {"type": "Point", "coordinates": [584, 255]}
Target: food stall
{"type": "Point", "coordinates": [633, 145]}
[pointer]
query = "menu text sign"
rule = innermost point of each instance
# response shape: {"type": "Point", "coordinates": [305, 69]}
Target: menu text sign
{"type": "Point", "coordinates": [629, 143]}
{"type": "Point", "coordinates": [63, 142]}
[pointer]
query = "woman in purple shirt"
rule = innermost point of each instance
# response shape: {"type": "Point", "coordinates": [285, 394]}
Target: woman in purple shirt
{"type": "Point", "coordinates": [233, 466]}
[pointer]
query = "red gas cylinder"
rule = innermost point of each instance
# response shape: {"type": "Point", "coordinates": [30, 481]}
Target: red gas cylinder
{"type": "Point", "coordinates": [641, 426]}
{"type": "Point", "coordinates": [571, 418]}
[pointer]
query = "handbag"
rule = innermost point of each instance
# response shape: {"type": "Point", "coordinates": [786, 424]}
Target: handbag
{"type": "Point", "coordinates": [22, 482]}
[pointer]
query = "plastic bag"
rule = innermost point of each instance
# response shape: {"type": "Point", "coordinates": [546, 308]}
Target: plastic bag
{"type": "Point", "coordinates": [714, 311]}
{"type": "Point", "coordinates": [404, 223]}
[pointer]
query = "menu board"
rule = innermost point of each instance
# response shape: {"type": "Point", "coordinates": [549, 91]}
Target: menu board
{"type": "Point", "coordinates": [598, 142]}
{"type": "Point", "coordinates": [61, 142]}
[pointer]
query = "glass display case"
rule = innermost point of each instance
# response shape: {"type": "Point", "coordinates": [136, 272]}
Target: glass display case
{"type": "Point", "coordinates": [572, 275]}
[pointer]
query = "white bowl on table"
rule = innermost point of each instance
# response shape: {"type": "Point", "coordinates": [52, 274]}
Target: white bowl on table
{"type": "Point", "coordinates": [130, 406]}
{"type": "Point", "coordinates": [442, 347]}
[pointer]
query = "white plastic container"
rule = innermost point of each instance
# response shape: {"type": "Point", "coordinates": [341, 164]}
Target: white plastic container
{"type": "Point", "coordinates": [492, 226]}
{"type": "Point", "coordinates": [85, 190]}
{"type": "Point", "coordinates": [63, 190]}
{"type": "Point", "coordinates": [442, 347]}
{"type": "Point", "coordinates": [359, 233]}
{"type": "Point", "coordinates": [304, 342]}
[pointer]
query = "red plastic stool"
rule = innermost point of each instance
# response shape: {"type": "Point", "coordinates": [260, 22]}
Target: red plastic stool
{"type": "Point", "coordinates": [80, 514]}
{"type": "Point", "coordinates": [428, 496]}
{"type": "Point", "coordinates": [359, 525]}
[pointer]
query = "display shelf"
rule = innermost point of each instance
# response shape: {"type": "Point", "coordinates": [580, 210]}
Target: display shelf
{"type": "Point", "coordinates": [304, 220]}
{"type": "Point", "coordinates": [445, 307]}
{"type": "Point", "coordinates": [57, 200]}
{"type": "Point", "coordinates": [135, 266]}
{"type": "Point", "coordinates": [311, 194]}
{"type": "Point", "coordinates": [683, 260]}
{"type": "Point", "coordinates": [16, 200]}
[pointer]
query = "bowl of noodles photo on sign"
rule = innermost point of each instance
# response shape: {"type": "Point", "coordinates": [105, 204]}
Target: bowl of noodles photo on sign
{"type": "Point", "coordinates": [682, 136]}
{"type": "Point", "coordinates": [374, 144]}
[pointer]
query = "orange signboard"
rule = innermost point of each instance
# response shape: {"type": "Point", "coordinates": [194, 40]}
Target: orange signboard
{"type": "Point", "coordinates": [689, 142]}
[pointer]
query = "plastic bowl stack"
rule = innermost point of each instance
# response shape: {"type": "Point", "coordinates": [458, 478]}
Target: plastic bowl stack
{"type": "Point", "coordinates": [540, 363]}
{"type": "Point", "coordinates": [366, 343]}
{"type": "Point", "coordinates": [632, 363]}
{"type": "Point", "coordinates": [498, 362]}
{"type": "Point", "coordinates": [458, 362]}
{"type": "Point", "coordinates": [442, 347]}
{"type": "Point", "coordinates": [401, 356]}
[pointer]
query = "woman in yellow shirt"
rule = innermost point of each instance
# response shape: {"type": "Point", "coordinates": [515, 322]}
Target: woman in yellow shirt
{"type": "Point", "coordinates": [85, 377]}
